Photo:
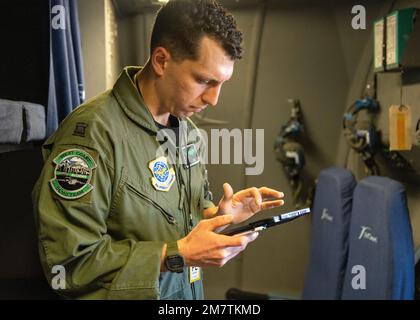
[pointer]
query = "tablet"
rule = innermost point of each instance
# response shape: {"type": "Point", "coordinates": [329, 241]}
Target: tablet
{"type": "Point", "coordinates": [266, 223]}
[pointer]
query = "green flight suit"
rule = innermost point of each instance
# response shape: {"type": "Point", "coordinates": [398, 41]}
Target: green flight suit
{"type": "Point", "coordinates": [110, 238]}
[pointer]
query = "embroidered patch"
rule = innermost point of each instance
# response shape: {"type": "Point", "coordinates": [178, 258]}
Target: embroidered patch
{"type": "Point", "coordinates": [163, 176]}
{"type": "Point", "coordinates": [80, 129]}
{"type": "Point", "coordinates": [72, 174]}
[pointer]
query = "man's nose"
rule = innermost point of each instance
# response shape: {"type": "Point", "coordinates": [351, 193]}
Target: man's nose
{"type": "Point", "coordinates": [211, 95]}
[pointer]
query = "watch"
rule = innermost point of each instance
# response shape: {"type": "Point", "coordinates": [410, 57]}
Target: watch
{"type": "Point", "coordinates": [174, 262]}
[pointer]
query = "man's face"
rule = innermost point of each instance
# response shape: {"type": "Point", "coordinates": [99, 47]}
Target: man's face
{"type": "Point", "coordinates": [190, 86]}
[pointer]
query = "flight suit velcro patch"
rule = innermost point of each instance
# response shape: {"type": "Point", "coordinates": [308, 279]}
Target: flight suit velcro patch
{"type": "Point", "coordinates": [80, 129]}
{"type": "Point", "coordinates": [73, 172]}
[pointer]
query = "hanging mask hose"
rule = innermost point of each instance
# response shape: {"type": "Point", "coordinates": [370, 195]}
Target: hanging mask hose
{"type": "Point", "coordinates": [364, 140]}
{"type": "Point", "coordinates": [290, 153]}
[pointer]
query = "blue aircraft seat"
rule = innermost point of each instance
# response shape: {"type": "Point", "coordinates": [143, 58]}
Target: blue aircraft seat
{"type": "Point", "coordinates": [381, 255]}
{"type": "Point", "coordinates": [329, 240]}
{"type": "Point", "coordinates": [331, 212]}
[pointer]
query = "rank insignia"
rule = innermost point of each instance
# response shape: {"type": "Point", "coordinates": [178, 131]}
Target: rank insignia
{"type": "Point", "coordinates": [163, 176]}
{"type": "Point", "coordinates": [80, 129]}
{"type": "Point", "coordinates": [72, 174]}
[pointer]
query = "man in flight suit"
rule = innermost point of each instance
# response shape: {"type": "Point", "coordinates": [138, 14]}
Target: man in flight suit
{"type": "Point", "coordinates": [123, 220]}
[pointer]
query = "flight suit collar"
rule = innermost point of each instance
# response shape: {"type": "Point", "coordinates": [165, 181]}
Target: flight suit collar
{"type": "Point", "coordinates": [131, 101]}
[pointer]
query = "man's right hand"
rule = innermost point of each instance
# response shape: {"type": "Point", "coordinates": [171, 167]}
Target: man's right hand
{"type": "Point", "coordinates": [203, 247]}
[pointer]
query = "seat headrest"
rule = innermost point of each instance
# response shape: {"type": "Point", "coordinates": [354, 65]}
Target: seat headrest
{"type": "Point", "coordinates": [380, 242]}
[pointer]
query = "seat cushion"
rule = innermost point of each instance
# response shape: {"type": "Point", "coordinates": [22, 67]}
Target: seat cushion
{"type": "Point", "coordinates": [329, 240]}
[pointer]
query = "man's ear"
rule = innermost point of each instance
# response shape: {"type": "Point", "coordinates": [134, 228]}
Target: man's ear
{"type": "Point", "coordinates": [159, 59]}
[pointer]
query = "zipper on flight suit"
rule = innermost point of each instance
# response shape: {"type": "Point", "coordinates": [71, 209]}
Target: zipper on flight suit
{"type": "Point", "coordinates": [188, 223]}
{"type": "Point", "coordinates": [190, 220]}
{"type": "Point", "coordinates": [170, 218]}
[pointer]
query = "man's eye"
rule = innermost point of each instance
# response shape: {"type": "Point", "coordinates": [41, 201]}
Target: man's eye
{"type": "Point", "coordinates": [204, 81]}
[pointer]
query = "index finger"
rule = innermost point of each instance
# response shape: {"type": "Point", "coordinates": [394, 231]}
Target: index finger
{"type": "Point", "coordinates": [230, 241]}
{"type": "Point", "coordinates": [270, 193]}
{"type": "Point", "coordinates": [240, 240]}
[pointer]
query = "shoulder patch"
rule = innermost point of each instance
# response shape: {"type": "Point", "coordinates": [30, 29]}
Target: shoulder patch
{"type": "Point", "coordinates": [73, 173]}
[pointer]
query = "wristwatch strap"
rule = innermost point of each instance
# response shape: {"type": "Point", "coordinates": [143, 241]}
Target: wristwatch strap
{"type": "Point", "coordinates": [172, 249]}
{"type": "Point", "coordinates": [174, 261]}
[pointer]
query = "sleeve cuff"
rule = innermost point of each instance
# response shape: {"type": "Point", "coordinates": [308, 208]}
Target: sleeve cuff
{"type": "Point", "coordinates": [139, 278]}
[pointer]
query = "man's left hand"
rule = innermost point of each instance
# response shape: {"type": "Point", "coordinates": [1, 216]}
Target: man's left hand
{"type": "Point", "coordinates": [245, 203]}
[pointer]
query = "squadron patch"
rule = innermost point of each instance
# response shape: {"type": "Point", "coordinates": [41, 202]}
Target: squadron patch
{"type": "Point", "coordinates": [163, 176]}
{"type": "Point", "coordinates": [72, 174]}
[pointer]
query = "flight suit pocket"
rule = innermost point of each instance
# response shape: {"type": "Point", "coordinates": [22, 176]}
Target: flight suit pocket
{"type": "Point", "coordinates": [139, 214]}
{"type": "Point", "coordinates": [132, 189]}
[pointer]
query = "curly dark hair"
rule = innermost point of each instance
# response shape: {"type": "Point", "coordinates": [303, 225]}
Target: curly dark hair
{"type": "Point", "coordinates": [180, 25]}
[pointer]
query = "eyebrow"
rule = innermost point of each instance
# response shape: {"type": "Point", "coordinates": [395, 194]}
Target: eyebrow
{"type": "Point", "coordinates": [210, 78]}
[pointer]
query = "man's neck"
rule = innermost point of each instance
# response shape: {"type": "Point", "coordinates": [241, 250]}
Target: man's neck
{"type": "Point", "coordinates": [145, 84]}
